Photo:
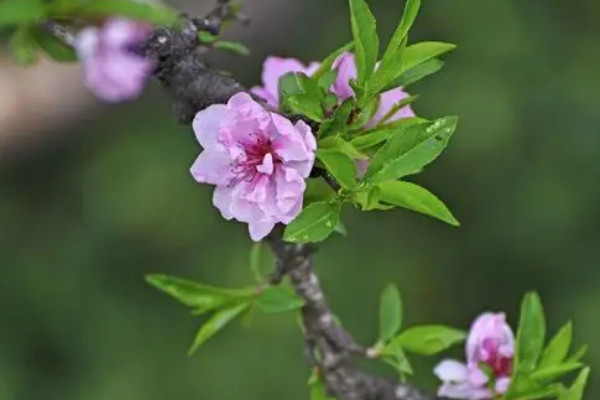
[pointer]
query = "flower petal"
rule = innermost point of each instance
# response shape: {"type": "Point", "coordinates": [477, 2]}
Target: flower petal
{"type": "Point", "coordinates": [387, 100]}
{"type": "Point", "coordinates": [451, 371]}
{"type": "Point", "coordinates": [207, 123]}
{"type": "Point", "coordinates": [212, 166]}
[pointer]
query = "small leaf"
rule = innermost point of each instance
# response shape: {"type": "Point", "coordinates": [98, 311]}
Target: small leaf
{"type": "Point", "coordinates": [55, 48]}
{"type": "Point", "coordinates": [278, 299]}
{"type": "Point", "coordinates": [531, 333]}
{"type": "Point", "coordinates": [415, 198]}
{"type": "Point", "coordinates": [318, 190]}
{"type": "Point", "coordinates": [340, 166]}
{"type": "Point", "coordinates": [306, 104]}
{"type": "Point", "coordinates": [416, 73]}
{"type": "Point", "coordinates": [23, 46]}
{"type": "Point", "coordinates": [550, 391]}
{"type": "Point", "coordinates": [551, 373]}
{"type": "Point", "coordinates": [369, 198]}
{"type": "Point", "coordinates": [558, 348]}
{"type": "Point", "coordinates": [317, 389]}
{"type": "Point", "coordinates": [201, 297]}
{"type": "Point", "coordinates": [408, 153]}
{"type": "Point", "coordinates": [419, 53]}
{"type": "Point", "coordinates": [390, 313]}
{"type": "Point", "coordinates": [206, 37]}
{"type": "Point", "coordinates": [314, 224]}
{"type": "Point", "coordinates": [411, 9]}
{"type": "Point", "coordinates": [144, 11]}
{"type": "Point", "coordinates": [578, 355]}
{"type": "Point", "coordinates": [232, 47]}
{"type": "Point", "coordinates": [217, 322]}
{"type": "Point", "coordinates": [21, 12]}
{"type": "Point", "coordinates": [379, 135]}
{"type": "Point", "coordinates": [339, 144]}
{"type": "Point", "coordinates": [576, 391]}
{"type": "Point", "coordinates": [428, 339]}
{"type": "Point", "coordinates": [397, 358]}
{"type": "Point", "coordinates": [365, 40]}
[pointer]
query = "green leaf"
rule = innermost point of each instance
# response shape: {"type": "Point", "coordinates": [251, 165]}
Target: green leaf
{"type": "Point", "coordinates": [365, 40]}
{"type": "Point", "coordinates": [368, 198]}
{"type": "Point", "coordinates": [201, 297]}
{"type": "Point", "coordinates": [339, 144]}
{"type": "Point", "coordinates": [558, 348]}
{"type": "Point", "coordinates": [397, 358]}
{"type": "Point", "coordinates": [415, 198]}
{"type": "Point", "coordinates": [408, 153]}
{"type": "Point", "coordinates": [424, 51]}
{"type": "Point", "coordinates": [327, 63]}
{"type": "Point", "coordinates": [21, 12]}
{"type": "Point", "coordinates": [232, 47]}
{"type": "Point", "coordinates": [23, 46]}
{"type": "Point", "coordinates": [381, 134]}
{"type": "Point", "coordinates": [411, 9]}
{"type": "Point", "coordinates": [318, 190]}
{"type": "Point", "coordinates": [278, 299]}
{"type": "Point", "coordinates": [317, 389]}
{"type": "Point", "coordinates": [578, 355]}
{"type": "Point", "coordinates": [133, 9]}
{"type": "Point", "coordinates": [390, 313]}
{"type": "Point", "coordinates": [416, 73]}
{"type": "Point", "coordinates": [207, 37]}
{"type": "Point", "coordinates": [531, 334]}
{"type": "Point", "coordinates": [314, 224]}
{"type": "Point", "coordinates": [306, 104]}
{"type": "Point", "coordinates": [551, 373]}
{"type": "Point", "coordinates": [428, 339]}
{"type": "Point", "coordinates": [217, 322]}
{"type": "Point", "coordinates": [537, 393]}
{"type": "Point", "coordinates": [340, 166]}
{"type": "Point", "coordinates": [575, 392]}
{"type": "Point", "coordinates": [338, 123]}
{"type": "Point", "coordinates": [55, 48]}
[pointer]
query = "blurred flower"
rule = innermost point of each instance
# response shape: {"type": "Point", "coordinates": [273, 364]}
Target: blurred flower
{"type": "Point", "coordinates": [257, 159]}
{"type": "Point", "coordinates": [273, 69]}
{"type": "Point", "coordinates": [346, 67]}
{"type": "Point", "coordinates": [113, 70]}
{"type": "Point", "coordinates": [490, 351]}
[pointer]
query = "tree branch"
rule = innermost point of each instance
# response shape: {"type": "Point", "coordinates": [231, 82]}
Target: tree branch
{"type": "Point", "coordinates": [182, 69]}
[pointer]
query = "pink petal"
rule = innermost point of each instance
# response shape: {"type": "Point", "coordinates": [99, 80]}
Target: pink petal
{"type": "Point", "coordinates": [207, 123]}
{"type": "Point", "coordinates": [222, 200]}
{"type": "Point", "coordinates": [502, 385]}
{"type": "Point", "coordinates": [387, 100]}
{"type": "Point", "coordinates": [260, 228]}
{"type": "Point", "coordinates": [346, 68]}
{"type": "Point", "coordinates": [451, 371]}
{"type": "Point", "coordinates": [213, 167]}
{"type": "Point", "coordinates": [267, 165]}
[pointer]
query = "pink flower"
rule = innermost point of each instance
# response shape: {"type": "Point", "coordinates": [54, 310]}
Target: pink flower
{"type": "Point", "coordinates": [113, 71]}
{"type": "Point", "coordinates": [490, 342]}
{"type": "Point", "coordinates": [273, 69]}
{"type": "Point", "coordinates": [346, 67]}
{"type": "Point", "coordinates": [257, 159]}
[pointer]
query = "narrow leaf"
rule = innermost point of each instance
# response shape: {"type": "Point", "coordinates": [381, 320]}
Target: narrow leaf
{"type": "Point", "coordinates": [314, 224]}
{"type": "Point", "coordinates": [55, 48]}
{"type": "Point", "coordinates": [576, 391]}
{"type": "Point", "coordinates": [201, 297]}
{"type": "Point", "coordinates": [217, 322]}
{"type": "Point", "coordinates": [419, 53]}
{"type": "Point", "coordinates": [558, 348]}
{"type": "Point", "coordinates": [151, 12]}
{"type": "Point", "coordinates": [416, 73]}
{"type": "Point", "coordinates": [390, 313]}
{"type": "Point", "coordinates": [411, 9]}
{"type": "Point", "coordinates": [365, 40]}
{"type": "Point", "coordinates": [415, 198]}
{"type": "Point", "coordinates": [278, 299]}
{"type": "Point", "coordinates": [549, 374]}
{"type": "Point", "coordinates": [531, 333]}
{"type": "Point", "coordinates": [232, 47]}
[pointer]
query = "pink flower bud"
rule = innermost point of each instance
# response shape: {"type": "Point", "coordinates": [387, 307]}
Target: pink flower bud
{"type": "Point", "coordinates": [257, 159]}
{"type": "Point", "coordinates": [490, 344]}
{"type": "Point", "coordinates": [113, 70]}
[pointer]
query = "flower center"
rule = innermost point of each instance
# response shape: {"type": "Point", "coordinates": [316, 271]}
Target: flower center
{"type": "Point", "coordinates": [258, 158]}
{"type": "Point", "coordinates": [500, 364]}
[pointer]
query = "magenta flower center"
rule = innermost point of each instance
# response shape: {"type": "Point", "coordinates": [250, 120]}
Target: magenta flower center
{"type": "Point", "coordinates": [500, 364]}
{"type": "Point", "coordinates": [257, 159]}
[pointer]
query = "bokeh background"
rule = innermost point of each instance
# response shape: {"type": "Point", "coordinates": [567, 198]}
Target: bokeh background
{"type": "Point", "coordinates": [94, 196]}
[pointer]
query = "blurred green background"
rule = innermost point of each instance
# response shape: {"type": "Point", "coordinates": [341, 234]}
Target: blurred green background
{"type": "Point", "coordinates": [85, 216]}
